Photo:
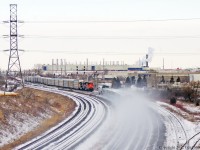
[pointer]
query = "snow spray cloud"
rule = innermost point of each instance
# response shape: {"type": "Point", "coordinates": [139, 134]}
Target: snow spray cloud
{"type": "Point", "coordinates": [127, 125]}
{"type": "Point", "coordinates": [130, 105]}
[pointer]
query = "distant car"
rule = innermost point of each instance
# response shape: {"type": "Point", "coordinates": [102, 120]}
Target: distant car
{"type": "Point", "coordinates": [105, 86]}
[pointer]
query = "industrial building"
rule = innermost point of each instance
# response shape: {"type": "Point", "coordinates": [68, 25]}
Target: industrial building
{"type": "Point", "coordinates": [107, 70]}
{"type": "Point", "coordinates": [63, 67]}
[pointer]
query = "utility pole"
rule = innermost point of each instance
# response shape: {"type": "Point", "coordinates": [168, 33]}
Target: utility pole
{"type": "Point", "coordinates": [14, 66]}
{"type": "Point", "coordinates": [57, 66]}
{"type": "Point", "coordinates": [61, 65]}
{"type": "Point", "coordinates": [52, 66]}
{"type": "Point", "coordinates": [87, 64]}
{"type": "Point", "coordinates": [65, 67]}
{"type": "Point", "coordinates": [103, 70]}
{"type": "Point", "coordinates": [163, 63]}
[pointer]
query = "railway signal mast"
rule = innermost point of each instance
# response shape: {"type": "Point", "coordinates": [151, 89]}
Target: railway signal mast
{"type": "Point", "coordinates": [14, 67]}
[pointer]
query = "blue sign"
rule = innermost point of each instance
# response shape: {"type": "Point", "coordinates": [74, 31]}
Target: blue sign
{"type": "Point", "coordinates": [135, 69]}
{"type": "Point", "coordinates": [93, 68]}
{"type": "Point", "coordinates": [44, 68]}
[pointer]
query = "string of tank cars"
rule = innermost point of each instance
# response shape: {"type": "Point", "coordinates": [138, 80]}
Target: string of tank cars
{"type": "Point", "coordinates": [89, 114]}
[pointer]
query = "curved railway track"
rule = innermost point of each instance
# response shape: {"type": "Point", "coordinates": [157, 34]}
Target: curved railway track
{"type": "Point", "coordinates": [87, 117]}
{"type": "Point", "coordinates": [192, 142]}
{"type": "Point", "coordinates": [182, 139]}
{"type": "Point", "coordinates": [143, 132]}
{"type": "Point", "coordinates": [177, 129]}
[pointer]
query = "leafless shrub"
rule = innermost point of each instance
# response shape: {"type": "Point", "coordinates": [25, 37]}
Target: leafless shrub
{"type": "Point", "coordinates": [28, 94]}
{"type": "Point", "coordinates": [190, 92]}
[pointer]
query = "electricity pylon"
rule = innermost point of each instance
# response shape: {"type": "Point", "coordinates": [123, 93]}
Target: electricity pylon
{"type": "Point", "coordinates": [14, 67]}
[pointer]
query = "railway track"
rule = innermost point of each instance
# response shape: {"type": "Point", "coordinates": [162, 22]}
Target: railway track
{"type": "Point", "coordinates": [87, 117]}
{"type": "Point", "coordinates": [145, 133]}
{"type": "Point", "coordinates": [195, 144]}
{"type": "Point", "coordinates": [182, 140]}
{"type": "Point", "coordinates": [138, 132]}
{"type": "Point", "coordinates": [179, 134]}
{"type": "Point", "coordinates": [192, 142]}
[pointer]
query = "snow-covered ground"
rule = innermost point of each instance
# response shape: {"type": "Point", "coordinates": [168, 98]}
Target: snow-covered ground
{"type": "Point", "coordinates": [192, 109]}
{"type": "Point", "coordinates": [19, 124]}
{"type": "Point", "coordinates": [20, 114]}
{"type": "Point", "coordinates": [25, 123]}
{"type": "Point", "coordinates": [191, 128]}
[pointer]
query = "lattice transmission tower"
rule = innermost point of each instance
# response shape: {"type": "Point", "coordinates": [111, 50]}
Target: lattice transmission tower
{"type": "Point", "coordinates": [14, 67]}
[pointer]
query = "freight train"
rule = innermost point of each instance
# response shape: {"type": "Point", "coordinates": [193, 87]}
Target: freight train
{"type": "Point", "coordinates": [60, 82]}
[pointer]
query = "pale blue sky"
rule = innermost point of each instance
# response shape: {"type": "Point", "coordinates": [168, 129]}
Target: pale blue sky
{"type": "Point", "coordinates": [53, 10]}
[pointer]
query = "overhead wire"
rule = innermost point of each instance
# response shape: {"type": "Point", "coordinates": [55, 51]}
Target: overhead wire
{"type": "Point", "coordinates": [103, 37]}
{"type": "Point", "coordinates": [111, 37]}
{"type": "Point", "coordinates": [103, 21]}
{"type": "Point", "coordinates": [111, 52]}
{"type": "Point", "coordinates": [110, 21]}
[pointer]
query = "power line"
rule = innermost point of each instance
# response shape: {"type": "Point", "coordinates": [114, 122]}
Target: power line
{"type": "Point", "coordinates": [111, 37]}
{"type": "Point", "coordinates": [111, 21]}
{"type": "Point", "coordinates": [103, 21]}
{"type": "Point", "coordinates": [112, 53]}
{"type": "Point", "coordinates": [83, 52]}
{"type": "Point", "coordinates": [122, 52]}
{"type": "Point", "coordinates": [104, 37]}
{"type": "Point", "coordinates": [8, 21]}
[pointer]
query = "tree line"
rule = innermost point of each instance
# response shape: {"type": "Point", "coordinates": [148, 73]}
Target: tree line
{"type": "Point", "coordinates": [140, 82]}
